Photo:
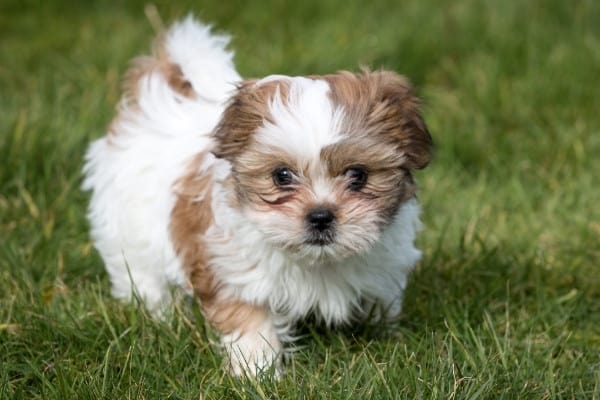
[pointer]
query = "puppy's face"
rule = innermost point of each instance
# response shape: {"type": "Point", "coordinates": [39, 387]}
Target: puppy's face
{"type": "Point", "coordinates": [322, 164]}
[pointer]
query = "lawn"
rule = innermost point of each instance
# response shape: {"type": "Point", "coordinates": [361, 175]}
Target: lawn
{"type": "Point", "coordinates": [504, 305]}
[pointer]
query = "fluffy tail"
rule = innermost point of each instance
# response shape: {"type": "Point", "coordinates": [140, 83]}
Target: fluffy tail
{"type": "Point", "coordinates": [194, 61]}
{"type": "Point", "coordinates": [183, 85]}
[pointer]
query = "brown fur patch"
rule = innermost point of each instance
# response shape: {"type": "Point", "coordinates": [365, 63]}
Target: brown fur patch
{"type": "Point", "coordinates": [190, 218]}
{"type": "Point", "coordinates": [230, 316]}
{"type": "Point", "coordinates": [246, 112]}
{"type": "Point", "coordinates": [176, 80]}
{"type": "Point", "coordinates": [382, 104]}
{"type": "Point", "coordinates": [158, 62]}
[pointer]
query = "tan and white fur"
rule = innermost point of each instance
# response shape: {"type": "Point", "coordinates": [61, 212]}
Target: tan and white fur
{"type": "Point", "coordinates": [269, 199]}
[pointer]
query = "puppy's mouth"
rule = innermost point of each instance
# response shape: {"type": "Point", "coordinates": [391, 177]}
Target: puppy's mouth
{"type": "Point", "coordinates": [320, 238]}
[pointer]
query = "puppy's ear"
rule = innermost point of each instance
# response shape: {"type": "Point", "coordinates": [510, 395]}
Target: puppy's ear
{"type": "Point", "coordinates": [246, 112]}
{"type": "Point", "coordinates": [395, 112]}
{"type": "Point", "coordinates": [240, 118]}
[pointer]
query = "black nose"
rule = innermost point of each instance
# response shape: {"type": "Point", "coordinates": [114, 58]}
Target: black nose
{"type": "Point", "coordinates": [320, 219]}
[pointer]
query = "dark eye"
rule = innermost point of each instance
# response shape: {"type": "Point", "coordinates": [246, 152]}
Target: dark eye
{"type": "Point", "coordinates": [357, 176]}
{"type": "Point", "coordinates": [283, 176]}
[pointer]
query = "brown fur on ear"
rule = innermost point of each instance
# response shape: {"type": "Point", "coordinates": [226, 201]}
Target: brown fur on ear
{"type": "Point", "coordinates": [246, 112]}
{"type": "Point", "coordinates": [398, 111]}
{"type": "Point", "coordinates": [384, 103]}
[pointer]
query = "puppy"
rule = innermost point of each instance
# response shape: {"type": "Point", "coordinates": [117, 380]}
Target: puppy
{"type": "Point", "coordinates": [269, 199]}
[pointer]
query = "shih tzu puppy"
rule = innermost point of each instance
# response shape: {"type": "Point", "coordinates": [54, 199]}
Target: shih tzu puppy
{"type": "Point", "coordinates": [269, 199]}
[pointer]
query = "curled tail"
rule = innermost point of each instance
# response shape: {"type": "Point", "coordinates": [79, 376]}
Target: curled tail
{"type": "Point", "coordinates": [181, 88]}
{"type": "Point", "coordinates": [193, 61]}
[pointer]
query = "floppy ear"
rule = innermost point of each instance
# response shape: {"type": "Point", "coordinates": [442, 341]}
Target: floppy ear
{"type": "Point", "coordinates": [247, 110]}
{"type": "Point", "coordinates": [395, 112]}
{"type": "Point", "coordinates": [239, 120]}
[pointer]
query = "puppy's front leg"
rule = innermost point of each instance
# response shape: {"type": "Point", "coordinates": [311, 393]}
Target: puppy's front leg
{"type": "Point", "coordinates": [384, 307]}
{"type": "Point", "coordinates": [249, 336]}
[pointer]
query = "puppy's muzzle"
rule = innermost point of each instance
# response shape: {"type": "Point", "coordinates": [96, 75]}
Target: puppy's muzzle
{"type": "Point", "coordinates": [320, 223]}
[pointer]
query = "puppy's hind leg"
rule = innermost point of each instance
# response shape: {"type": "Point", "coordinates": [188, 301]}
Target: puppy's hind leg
{"type": "Point", "coordinates": [130, 281]}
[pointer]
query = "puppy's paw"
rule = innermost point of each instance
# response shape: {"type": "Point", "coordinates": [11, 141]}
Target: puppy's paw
{"type": "Point", "coordinates": [253, 353]}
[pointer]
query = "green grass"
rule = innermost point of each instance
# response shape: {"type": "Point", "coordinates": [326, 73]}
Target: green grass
{"type": "Point", "coordinates": [506, 303]}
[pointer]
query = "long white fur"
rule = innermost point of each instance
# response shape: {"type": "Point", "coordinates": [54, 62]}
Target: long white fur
{"type": "Point", "coordinates": [133, 172]}
{"type": "Point", "coordinates": [305, 122]}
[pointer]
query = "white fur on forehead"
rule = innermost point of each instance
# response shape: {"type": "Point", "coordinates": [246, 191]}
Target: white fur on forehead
{"type": "Point", "coordinates": [305, 121]}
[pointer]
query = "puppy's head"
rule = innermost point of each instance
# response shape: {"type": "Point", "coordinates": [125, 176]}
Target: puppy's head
{"type": "Point", "coordinates": [322, 164]}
